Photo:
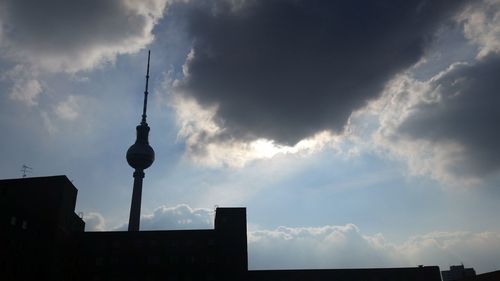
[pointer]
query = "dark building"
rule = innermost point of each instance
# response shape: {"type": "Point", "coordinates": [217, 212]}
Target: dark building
{"type": "Point", "coordinates": [457, 272]}
{"type": "Point", "coordinates": [37, 228]}
{"type": "Point", "coordinates": [218, 254]}
{"type": "Point", "coordinates": [42, 238]}
{"type": "Point", "coordinates": [428, 273]}
{"type": "Point", "coordinates": [488, 276]}
{"type": "Point", "coordinates": [460, 273]}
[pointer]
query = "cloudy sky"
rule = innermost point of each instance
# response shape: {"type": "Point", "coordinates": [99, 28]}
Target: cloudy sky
{"type": "Point", "coordinates": [356, 133]}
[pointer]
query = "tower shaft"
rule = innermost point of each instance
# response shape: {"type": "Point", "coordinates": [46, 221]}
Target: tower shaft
{"type": "Point", "coordinates": [135, 207]}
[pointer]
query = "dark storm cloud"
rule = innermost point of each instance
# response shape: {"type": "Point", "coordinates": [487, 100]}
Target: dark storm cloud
{"type": "Point", "coordinates": [59, 25]}
{"type": "Point", "coordinates": [284, 69]}
{"type": "Point", "coordinates": [75, 34]}
{"type": "Point", "coordinates": [466, 111]}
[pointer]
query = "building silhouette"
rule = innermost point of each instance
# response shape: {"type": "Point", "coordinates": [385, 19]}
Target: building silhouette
{"type": "Point", "coordinates": [38, 228]}
{"type": "Point", "coordinates": [457, 272]}
{"type": "Point", "coordinates": [488, 276]}
{"type": "Point", "coordinates": [41, 238]}
{"type": "Point", "coordinates": [461, 273]}
{"type": "Point", "coordinates": [218, 254]}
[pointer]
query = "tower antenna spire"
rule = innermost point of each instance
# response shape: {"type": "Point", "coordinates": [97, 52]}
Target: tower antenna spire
{"type": "Point", "coordinates": [145, 106]}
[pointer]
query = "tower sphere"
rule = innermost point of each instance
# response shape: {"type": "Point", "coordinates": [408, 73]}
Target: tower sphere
{"type": "Point", "coordinates": [141, 155]}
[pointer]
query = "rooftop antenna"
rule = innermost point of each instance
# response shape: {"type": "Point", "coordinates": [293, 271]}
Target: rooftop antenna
{"type": "Point", "coordinates": [25, 169]}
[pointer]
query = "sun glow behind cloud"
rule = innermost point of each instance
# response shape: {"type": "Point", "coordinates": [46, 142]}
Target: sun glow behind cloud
{"type": "Point", "coordinates": [207, 142]}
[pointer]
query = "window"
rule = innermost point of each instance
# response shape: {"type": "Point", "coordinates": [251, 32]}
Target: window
{"type": "Point", "coordinates": [24, 225]}
{"type": "Point", "coordinates": [13, 220]}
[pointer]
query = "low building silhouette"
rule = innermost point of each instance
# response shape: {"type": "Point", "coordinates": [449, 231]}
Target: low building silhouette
{"type": "Point", "coordinates": [208, 254]}
{"type": "Point", "coordinates": [460, 273]}
{"type": "Point", "coordinates": [43, 239]}
{"type": "Point", "coordinates": [382, 274]}
{"type": "Point", "coordinates": [457, 272]}
{"type": "Point", "coordinates": [488, 276]}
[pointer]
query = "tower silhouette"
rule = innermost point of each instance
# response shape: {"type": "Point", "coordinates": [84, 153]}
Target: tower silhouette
{"type": "Point", "coordinates": [140, 156]}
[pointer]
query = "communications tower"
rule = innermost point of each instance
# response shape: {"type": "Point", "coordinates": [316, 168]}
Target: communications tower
{"type": "Point", "coordinates": [140, 156]}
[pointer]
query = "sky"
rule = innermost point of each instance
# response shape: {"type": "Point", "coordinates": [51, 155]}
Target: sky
{"type": "Point", "coordinates": [356, 133]}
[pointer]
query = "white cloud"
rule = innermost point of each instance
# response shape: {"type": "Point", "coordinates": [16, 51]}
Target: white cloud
{"type": "Point", "coordinates": [26, 87]}
{"type": "Point", "coordinates": [48, 123]}
{"type": "Point", "coordinates": [74, 111]}
{"type": "Point", "coordinates": [478, 249]}
{"type": "Point", "coordinates": [481, 22]}
{"type": "Point", "coordinates": [68, 109]}
{"type": "Point", "coordinates": [399, 101]}
{"type": "Point", "coordinates": [333, 246]}
{"type": "Point", "coordinates": [319, 247]}
{"type": "Point", "coordinates": [443, 128]}
{"type": "Point", "coordinates": [346, 246]}
{"type": "Point", "coordinates": [181, 216]}
{"type": "Point", "coordinates": [207, 142]}
{"type": "Point", "coordinates": [26, 91]}
{"type": "Point", "coordinates": [94, 222]}
{"type": "Point", "coordinates": [70, 36]}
